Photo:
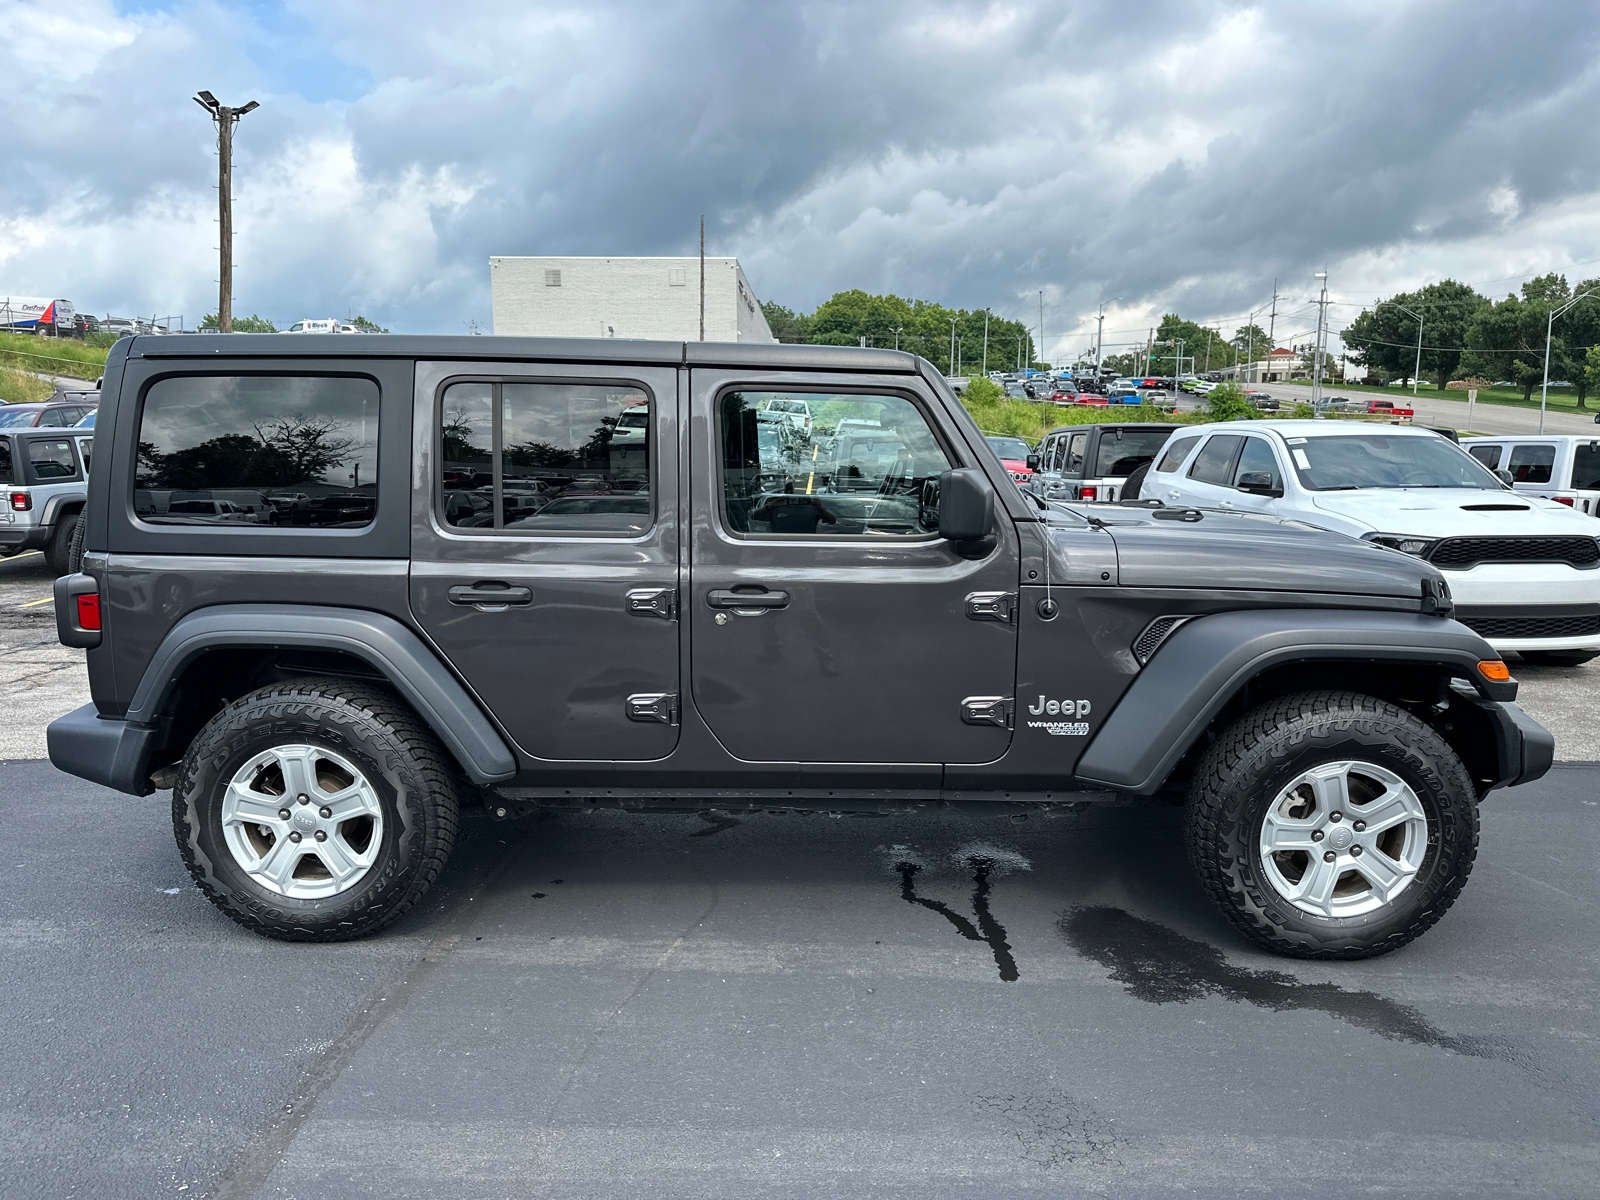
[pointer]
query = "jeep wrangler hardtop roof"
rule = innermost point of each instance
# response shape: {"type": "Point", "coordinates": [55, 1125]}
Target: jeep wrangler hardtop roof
{"type": "Point", "coordinates": [506, 349]}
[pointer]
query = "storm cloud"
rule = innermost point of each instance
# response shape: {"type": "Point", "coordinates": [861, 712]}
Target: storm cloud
{"type": "Point", "coordinates": [1161, 155]}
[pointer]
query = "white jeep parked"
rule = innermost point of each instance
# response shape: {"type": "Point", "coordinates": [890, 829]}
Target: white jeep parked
{"type": "Point", "coordinates": [1560, 467]}
{"type": "Point", "coordinates": [1524, 571]}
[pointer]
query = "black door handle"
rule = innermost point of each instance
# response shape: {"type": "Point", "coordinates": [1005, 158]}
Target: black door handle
{"type": "Point", "coordinates": [718, 598]}
{"type": "Point", "coordinates": [490, 593]}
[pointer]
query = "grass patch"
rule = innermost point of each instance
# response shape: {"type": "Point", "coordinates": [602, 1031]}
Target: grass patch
{"type": "Point", "coordinates": [18, 387]}
{"type": "Point", "coordinates": [1020, 418]}
{"type": "Point", "coordinates": [1561, 399]}
{"type": "Point", "coordinates": [53, 356]}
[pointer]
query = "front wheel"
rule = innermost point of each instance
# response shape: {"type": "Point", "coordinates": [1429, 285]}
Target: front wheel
{"type": "Point", "coordinates": [316, 810]}
{"type": "Point", "coordinates": [1332, 825]}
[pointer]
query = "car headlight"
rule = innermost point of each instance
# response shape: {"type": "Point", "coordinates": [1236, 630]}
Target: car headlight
{"type": "Point", "coordinates": [1405, 543]}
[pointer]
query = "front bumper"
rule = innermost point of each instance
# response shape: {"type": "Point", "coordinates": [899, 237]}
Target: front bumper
{"type": "Point", "coordinates": [109, 752]}
{"type": "Point", "coordinates": [1529, 606]}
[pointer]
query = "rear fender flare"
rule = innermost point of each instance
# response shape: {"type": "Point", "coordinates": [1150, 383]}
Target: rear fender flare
{"type": "Point", "coordinates": [1205, 663]}
{"type": "Point", "coordinates": [383, 643]}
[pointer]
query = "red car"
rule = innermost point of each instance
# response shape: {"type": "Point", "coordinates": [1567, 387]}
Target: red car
{"type": "Point", "coordinates": [1013, 452]}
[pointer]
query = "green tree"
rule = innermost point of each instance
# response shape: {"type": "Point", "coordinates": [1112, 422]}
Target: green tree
{"type": "Point", "coordinates": [1384, 338]}
{"type": "Point", "coordinates": [367, 326]}
{"type": "Point", "coordinates": [1226, 402]}
{"type": "Point", "coordinates": [250, 324]}
{"type": "Point", "coordinates": [1199, 343]}
{"type": "Point", "coordinates": [786, 324]}
{"type": "Point", "coordinates": [982, 391]}
{"type": "Point", "coordinates": [1507, 340]}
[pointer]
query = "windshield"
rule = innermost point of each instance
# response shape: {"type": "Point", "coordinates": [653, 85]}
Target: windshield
{"type": "Point", "coordinates": [1370, 461]}
{"type": "Point", "coordinates": [1013, 448]}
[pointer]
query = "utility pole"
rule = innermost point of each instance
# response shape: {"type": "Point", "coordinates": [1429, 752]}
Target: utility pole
{"type": "Point", "coordinates": [1099, 339]}
{"type": "Point", "coordinates": [984, 370]}
{"type": "Point", "coordinates": [1041, 325]}
{"type": "Point", "coordinates": [702, 277]}
{"type": "Point", "coordinates": [225, 118]}
{"type": "Point", "coordinates": [1272, 321]}
{"type": "Point", "coordinates": [1149, 349]}
{"type": "Point", "coordinates": [950, 368]}
{"type": "Point", "coordinates": [1316, 361]}
{"type": "Point", "coordinates": [1208, 351]}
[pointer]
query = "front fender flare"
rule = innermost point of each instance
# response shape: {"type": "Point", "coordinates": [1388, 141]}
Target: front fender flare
{"type": "Point", "coordinates": [1207, 660]}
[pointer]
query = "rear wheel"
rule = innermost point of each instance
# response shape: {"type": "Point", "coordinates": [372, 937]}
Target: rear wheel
{"type": "Point", "coordinates": [57, 551]}
{"type": "Point", "coordinates": [75, 547]}
{"type": "Point", "coordinates": [318, 810]}
{"type": "Point", "coordinates": [1135, 481]}
{"type": "Point", "coordinates": [1558, 658]}
{"type": "Point", "coordinates": [1332, 825]}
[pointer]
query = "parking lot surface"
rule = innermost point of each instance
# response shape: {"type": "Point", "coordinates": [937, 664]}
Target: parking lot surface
{"type": "Point", "coordinates": [620, 1005]}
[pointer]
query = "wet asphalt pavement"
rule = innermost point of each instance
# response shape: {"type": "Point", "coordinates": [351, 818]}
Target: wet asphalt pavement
{"type": "Point", "coordinates": [612, 1005]}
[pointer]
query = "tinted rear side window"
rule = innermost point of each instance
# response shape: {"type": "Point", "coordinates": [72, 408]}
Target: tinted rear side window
{"type": "Point", "coordinates": [51, 460]}
{"type": "Point", "coordinates": [1489, 456]}
{"type": "Point", "coordinates": [310, 442]}
{"type": "Point", "coordinates": [1585, 466]}
{"type": "Point", "coordinates": [1214, 463]}
{"type": "Point", "coordinates": [1531, 464]}
{"type": "Point", "coordinates": [5, 461]}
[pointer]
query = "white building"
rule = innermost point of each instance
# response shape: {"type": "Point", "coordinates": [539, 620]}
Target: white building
{"type": "Point", "coordinates": [625, 298]}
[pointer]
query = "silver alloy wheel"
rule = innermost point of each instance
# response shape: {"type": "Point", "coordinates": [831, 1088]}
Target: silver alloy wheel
{"type": "Point", "coordinates": [302, 822]}
{"type": "Point", "coordinates": [1343, 839]}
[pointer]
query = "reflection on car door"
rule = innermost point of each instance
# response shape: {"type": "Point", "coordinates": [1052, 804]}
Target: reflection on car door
{"type": "Point", "coordinates": [1208, 483]}
{"type": "Point", "coordinates": [1256, 457]}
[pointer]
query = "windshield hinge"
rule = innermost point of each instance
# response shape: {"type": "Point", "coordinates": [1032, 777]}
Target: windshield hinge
{"type": "Point", "coordinates": [992, 606]}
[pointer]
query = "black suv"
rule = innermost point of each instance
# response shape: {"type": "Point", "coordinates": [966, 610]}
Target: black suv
{"type": "Point", "coordinates": [688, 611]}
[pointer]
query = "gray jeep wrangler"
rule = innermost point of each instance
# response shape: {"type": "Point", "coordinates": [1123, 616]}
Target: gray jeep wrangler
{"type": "Point", "coordinates": [335, 589]}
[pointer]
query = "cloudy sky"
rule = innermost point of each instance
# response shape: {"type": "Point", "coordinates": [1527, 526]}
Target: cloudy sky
{"type": "Point", "coordinates": [1159, 154]}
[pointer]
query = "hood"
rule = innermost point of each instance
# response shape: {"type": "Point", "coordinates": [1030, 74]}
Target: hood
{"type": "Point", "coordinates": [1448, 512]}
{"type": "Point", "coordinates": [1251, 552]}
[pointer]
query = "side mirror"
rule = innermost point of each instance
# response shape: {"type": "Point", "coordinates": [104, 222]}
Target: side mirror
{"type": "Point", "coordinates": [1033, 462]}
{"type": "Point", "coordinates": [1258, 483]}
{"type": "Point", "coordinates": [1504, 476]}
{"type": "Point", "coordinates": [966, 505]}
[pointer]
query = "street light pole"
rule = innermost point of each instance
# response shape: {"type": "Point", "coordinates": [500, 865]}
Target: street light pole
{"type": "Point", "coordinates": [897, 330]}
{"type": "Point", "coordinates": [1316, 361]}
{"type": "Point", "coordinates": [1417, 370]}
{"type": "Point", "coordinates": [225, 118]}
{"type": "Point", "coordinates": [1549, 326]}
{"type": "Point", "coordinates": [984, 370]}
{"type": "Point", "coordinates": [952, 364]}
{"type": "Point", "coordinates": [1041, 324]}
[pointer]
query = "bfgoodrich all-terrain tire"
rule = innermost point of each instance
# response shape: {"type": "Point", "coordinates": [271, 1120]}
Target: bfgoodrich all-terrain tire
{"type": "Point", "coordinates": [1332, 825]}
{"type": "Point", "coordinates": [316, 810]}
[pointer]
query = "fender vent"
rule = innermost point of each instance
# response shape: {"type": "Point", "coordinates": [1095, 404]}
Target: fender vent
{"type": "Point", "coordinates": [1154, 634]}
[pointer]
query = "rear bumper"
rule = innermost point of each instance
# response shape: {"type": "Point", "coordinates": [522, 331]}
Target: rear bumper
{"type": "Point", "coordinates": [108, 752]}
{"type": "Point", "coordinates": [22, 537]}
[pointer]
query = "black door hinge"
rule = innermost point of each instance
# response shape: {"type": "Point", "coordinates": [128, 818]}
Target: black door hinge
{"type": "Point", "coordinates": [992, 606]}
{"type": "Point", "coordinates": [987, 710]}
{"type": "Point", "coordinates": [654, 602]}
{"type": "Point", "coordinates": [660, 707]}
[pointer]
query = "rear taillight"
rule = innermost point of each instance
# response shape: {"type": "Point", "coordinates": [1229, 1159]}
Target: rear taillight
{"type": "Point", "coordinates": [1088, 493]}
{"type": "Point", "coordinates": [1567, 500]}
{"type": "Point", "coordinates": [88, 611]}
{"type": "Point", "coordinates": [21, 502]}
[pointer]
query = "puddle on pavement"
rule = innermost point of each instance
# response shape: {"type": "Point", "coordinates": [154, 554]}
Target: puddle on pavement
{"type": "Point", "coordinates": [986, 863]}
{"type": "Point", "coordinates": [1158, 965]}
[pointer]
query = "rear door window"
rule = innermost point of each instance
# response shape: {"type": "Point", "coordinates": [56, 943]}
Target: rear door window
{"type": "Point", "coordinates": [1531, 463]}
{"type": "Point", "coordinates": [6, 475]}
{"type": "Point", "coordinates": [239, 438]}
{"type": "Point", "coordinates": [1177, 450]}
{"type": "Point", "coordinates": [1489, 456]}
{"type": "Point", "coordinates": [1214, 463]}
{"type": "Point", "coordinates": [1077, 446]}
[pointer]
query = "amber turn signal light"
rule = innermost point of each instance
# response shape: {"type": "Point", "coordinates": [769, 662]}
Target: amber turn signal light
{"type": "Point", "coordinates": [1494, 670]}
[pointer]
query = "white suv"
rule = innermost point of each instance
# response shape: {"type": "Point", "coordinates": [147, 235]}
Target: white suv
{"type": "Point", "coordinates": [1559, 467]}
{"type": "Point", "coordinates": [1524, 571]}
{"type": "Point", "coordinates": [45, 477]}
